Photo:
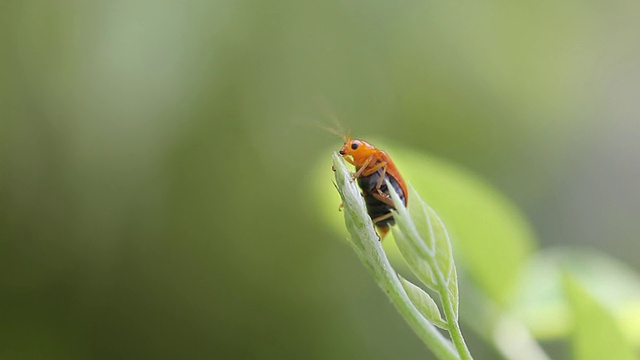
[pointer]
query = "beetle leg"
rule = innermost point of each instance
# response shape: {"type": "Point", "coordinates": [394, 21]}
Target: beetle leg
{"type": "Point", "coordinates": [387, 198]}
{"type": "Point", "coordinates": [383, 217]}
{"type": "Point", "coordinates": [384, 198]}
{"type": "Point", "coordinates": [381, 179]}
{"type": "Point", "coordinates": [349, 160]}
{"type": "Point", "coordinates": [376, 167]}
{"type": "Point", "coordinates": [362, 168]}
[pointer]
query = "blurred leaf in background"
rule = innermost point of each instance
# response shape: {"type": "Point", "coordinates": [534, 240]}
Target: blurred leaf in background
{"type": "Point", "coordinates": [596, 335]}
{"type": "Point", "coordinates": [541, 303]}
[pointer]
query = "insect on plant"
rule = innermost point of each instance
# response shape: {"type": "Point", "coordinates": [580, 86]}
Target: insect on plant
{"type": "Point", "coordinates": [373, 167]}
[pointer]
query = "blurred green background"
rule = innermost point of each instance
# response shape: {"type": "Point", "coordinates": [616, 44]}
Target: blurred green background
{"type": "Point", "coordinates": [158, 158]}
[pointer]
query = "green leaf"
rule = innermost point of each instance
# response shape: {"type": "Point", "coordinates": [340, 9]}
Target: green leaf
{"type": "Point", "coordinates": [421, 228]}
{"type": "Point", "coordinates": [596, 335]}
{"type": "Point", "coordinates": [452, 291]}
{"type": "Point", "coordinates": [431, 229]}
{"type": "Point", "coordinates": [424, 303]}
{"type": "Point", "coordinates": [418, 266]}
{"type": "Point", "coordinates": [417, 236]}
{"type": "Point", "coordinates": [440, 236]}
{"type": "Point", "coordinates": [489, 234]}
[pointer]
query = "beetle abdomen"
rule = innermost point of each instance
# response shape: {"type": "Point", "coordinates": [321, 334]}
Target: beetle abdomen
{"type": "Point", "coordinates": [375, 207]}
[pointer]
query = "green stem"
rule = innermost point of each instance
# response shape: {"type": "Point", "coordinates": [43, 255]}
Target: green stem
{"type": "Point", "coordinates": [387, 279]}
{"type": "Point", "coordinates": [454, 327]}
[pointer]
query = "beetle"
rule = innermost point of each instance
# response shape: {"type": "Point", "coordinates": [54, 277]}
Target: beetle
{"type": "Point", "coordinates": [373, 167]}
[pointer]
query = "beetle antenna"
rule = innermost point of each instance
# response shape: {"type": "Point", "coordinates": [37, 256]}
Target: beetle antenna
{"type": "Point", "coordinates": [337, 128]}
{"type": "Point", "coordinates": [329, 129]}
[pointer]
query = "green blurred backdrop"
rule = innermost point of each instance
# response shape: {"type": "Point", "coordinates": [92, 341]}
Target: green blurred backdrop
{"type": "Point", "coordinates": [156, 160]}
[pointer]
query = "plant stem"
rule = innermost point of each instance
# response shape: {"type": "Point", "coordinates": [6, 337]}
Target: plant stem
{"type": "Point", "coordinates": [387, 279]}
{"type": "Point", "coordinates": [454, 327]}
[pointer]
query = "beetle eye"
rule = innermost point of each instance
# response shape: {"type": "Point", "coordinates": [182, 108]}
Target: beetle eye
{"type": "Point", "coordinates": [354, 146]}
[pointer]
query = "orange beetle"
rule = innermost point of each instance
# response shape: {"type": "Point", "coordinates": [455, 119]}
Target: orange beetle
{"type": "Point", "coordinates": [373, 166]}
